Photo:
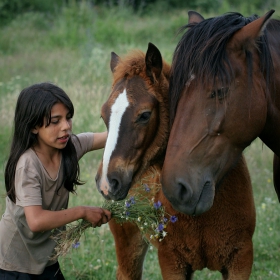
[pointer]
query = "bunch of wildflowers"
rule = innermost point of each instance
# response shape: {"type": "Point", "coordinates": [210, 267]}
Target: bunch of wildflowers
{"type": "Point", "coordinates": [68, 238]}
{"type": "Point", "coordinates": [139, 208]}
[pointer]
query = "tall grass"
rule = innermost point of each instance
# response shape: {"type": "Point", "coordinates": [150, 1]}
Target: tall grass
{"type": "Point", "coordinates": [72, 50]}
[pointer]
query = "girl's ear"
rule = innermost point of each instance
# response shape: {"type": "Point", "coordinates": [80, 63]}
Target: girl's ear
{"type": "Point", "coordinates": [34, 130]}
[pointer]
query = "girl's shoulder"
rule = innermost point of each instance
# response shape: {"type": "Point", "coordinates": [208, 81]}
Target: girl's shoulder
{"type": "Point", "coordinates": [29, 160]}
{"type": "Point", "coordinates": [83, 142]}
{"type": "Point", "coordinates": [82, 138]}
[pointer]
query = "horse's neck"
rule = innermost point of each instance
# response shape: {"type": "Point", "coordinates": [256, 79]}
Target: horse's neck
{"type": "Point", "coordinates": [271, 132]}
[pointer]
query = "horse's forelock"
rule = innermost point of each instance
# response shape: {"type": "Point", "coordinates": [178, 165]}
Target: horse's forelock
{"type": "Point", "coordinates": [130, 65]}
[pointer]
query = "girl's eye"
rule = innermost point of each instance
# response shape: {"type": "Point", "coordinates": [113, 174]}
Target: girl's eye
{"type": "Point", "coordinates": [54, 122]}
{"type": "Point", "coordinates": [220, 93]}
{"type": "Point", "coordinates": [144, 117]}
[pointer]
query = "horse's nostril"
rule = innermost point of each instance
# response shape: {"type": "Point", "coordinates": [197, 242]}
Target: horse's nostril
{"type": "Point", "coordinates": [182, 190]}
{"type": "Point", "coordinates": [207, 183]}
{"type": "Point", "coordinates": [185, 192]}
{"type": "Point", "coordinates": [114, 184]}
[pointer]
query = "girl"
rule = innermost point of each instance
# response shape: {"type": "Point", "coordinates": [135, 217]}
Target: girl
{"type": "Point", "coordinates": [41, 171]}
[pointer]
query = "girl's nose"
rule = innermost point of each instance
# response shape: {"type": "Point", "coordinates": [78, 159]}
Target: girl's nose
{"type": "Point", "coordinates": [67, 124]}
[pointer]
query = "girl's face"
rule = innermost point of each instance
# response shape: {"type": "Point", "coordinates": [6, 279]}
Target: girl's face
{"type": "Point", "coordinates": [57, 133]}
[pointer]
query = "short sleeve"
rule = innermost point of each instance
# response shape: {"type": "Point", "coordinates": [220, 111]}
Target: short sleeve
{"type": "Point", "coordinates": [28, 188]}
{"type": "Point", "coordinates": [83, 143]}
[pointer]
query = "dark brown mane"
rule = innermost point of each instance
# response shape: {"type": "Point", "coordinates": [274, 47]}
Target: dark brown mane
{"type": "Point", "coordinates": [203, 49]}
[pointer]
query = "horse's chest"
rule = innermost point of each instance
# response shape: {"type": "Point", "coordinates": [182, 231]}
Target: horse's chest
{"type": "Point", "coordinates": [192, 243]}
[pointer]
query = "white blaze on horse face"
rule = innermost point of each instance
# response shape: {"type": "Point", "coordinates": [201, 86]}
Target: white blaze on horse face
{"type": "Point", "coordinates": [117, 111]}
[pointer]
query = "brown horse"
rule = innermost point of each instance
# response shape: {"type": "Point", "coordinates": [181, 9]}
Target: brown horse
{"type": "Point", "coordinates": [136, 115]}
{"type": "Point", "coordinates": [224, 92]}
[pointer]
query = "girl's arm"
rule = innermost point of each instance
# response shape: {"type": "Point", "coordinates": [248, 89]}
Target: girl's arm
{"type": "Point", "coordinates": [99, 140]}
{"type": "Point", "coordinates": [39, 219]}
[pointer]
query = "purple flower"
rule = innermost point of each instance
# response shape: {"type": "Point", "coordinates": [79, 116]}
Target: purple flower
{"type": "Point", "coordinates": [127, 204]}
{"type": "Point", "coordinates": [132, 200]}
{"type": "Point", "coordinates": [157, 205]}
{"type": "Point", "coordinates": [165, 220]}
{"type": "Point", "coordinates": [160, 227]}
{"type": "Point", "coordinates": [76, 245]}
{"type": "Point", "coordinates": [127, 213]}
{"type": "Point", "coordinates": [146, 187]}
{"type": "Point", "coordinates": [173, 219]}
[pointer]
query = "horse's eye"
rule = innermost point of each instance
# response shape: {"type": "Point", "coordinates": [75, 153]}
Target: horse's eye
{"type": "Point", "coordinates": [144, 117]}
{"type": "Point", "coordinates": [220, 93]}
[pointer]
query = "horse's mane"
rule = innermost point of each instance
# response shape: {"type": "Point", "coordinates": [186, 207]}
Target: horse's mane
{"type": "Point", "coordinates": [202, 52]}
{"type": "Point", "coordinates": [130, 65]}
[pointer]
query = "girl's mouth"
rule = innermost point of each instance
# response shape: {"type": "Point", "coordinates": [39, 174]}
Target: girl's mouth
{"type": "Point", "coordinates": [63, 139]}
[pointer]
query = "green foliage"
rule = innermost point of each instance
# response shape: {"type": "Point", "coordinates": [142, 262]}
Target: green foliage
{"type": "Point", "coordinates": [9, 9]}
{"type": "Point", "coordinates": [73, 25]}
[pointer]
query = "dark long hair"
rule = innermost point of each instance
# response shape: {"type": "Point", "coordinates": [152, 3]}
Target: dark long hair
{"type": "Point", "coordinates": [33, 107]}
{"type": "Point", "coordinates": [202, 51]}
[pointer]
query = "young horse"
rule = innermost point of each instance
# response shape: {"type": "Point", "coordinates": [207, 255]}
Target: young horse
{"type": "Point", "coordinates": [223, 94]}
{"type": "Point", "coordinates": [136, 115]}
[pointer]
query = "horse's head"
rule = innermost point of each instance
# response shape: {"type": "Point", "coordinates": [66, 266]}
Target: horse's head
{"type": "Point", "coordinates": [136, 116]}
{"type": "Point", "coordinates": [218, 106]}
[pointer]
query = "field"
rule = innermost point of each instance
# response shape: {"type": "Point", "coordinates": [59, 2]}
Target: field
{"type": "Point", "coordinates": [72, 50]}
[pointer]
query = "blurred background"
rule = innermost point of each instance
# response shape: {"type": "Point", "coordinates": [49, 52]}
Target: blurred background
{"type": "Point", "coordinates": [69, 43]}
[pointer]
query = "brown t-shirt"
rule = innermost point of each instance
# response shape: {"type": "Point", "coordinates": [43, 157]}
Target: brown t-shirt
{"type": "Point", "coordinates": [21, 249]}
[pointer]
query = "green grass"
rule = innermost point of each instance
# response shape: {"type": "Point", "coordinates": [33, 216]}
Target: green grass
{"type": "Point", "coordinates": [73, 51]}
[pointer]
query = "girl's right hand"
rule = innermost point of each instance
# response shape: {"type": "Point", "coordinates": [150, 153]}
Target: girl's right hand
{"type": "Point", "coordinates": [39, 219]}
{"type": "Point", "coordinates": [97, 216]}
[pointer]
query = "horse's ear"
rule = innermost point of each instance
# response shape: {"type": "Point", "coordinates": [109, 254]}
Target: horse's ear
{"type": "Point", "coordinates": [250, 32]}
{"type": "Point", "coordinates": [114, 61]}
{"type": "Point", "coordinates": [153, 61]}
{"type": "Point", "coordinates": [195, 17]}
